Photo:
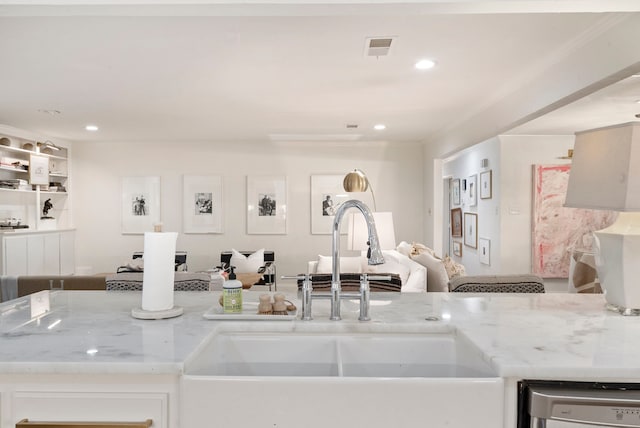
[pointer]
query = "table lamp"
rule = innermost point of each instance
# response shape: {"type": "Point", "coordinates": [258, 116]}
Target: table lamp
{"type": "Point", "coordinates": [605, 175]}
{"type": "Point", "coordinates": [358, 234]}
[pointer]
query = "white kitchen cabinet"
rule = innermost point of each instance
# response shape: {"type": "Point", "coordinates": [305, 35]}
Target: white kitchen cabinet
{"type": "Point", "coordinates": [38, 253]}
{"type": "Point", "coordinates": [14, 255]}
{"type": "Point", "coordinates": [88, 398]}
{"type": "Point", "coordinates": [21, 199]}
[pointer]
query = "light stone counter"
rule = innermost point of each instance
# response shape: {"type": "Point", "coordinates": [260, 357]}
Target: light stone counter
{"type": "Point", "coordinates": [562, 336]}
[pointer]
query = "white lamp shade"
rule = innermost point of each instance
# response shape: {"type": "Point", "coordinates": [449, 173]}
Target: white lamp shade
{"type": "Point", "coordinates": [605, 170]}
{"type": "Point", "coordinates": [358, 234]}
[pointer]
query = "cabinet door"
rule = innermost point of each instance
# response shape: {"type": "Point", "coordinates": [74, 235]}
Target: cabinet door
{"type": "Point", "coordinates": [51, 254]}
{"type": "Point", "coordinates": [90, 406]}
{"type": "Point", "coordinates": [15, 255]}
{"type": "Point", "coordinates": [35, 251]}
{"type": "Point", "coordinates": [67, 253]}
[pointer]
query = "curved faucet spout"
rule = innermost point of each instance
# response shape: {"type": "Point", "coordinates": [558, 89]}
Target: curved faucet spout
{"type": "Point", "coordinates": [374, 254]}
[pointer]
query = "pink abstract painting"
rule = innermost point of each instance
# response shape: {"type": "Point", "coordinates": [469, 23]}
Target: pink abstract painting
{"type": "Point", "coordinates": [556, 229]}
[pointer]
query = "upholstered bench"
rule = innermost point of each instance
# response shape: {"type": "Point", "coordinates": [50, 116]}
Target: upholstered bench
{"type": "Point", "coordinates": [497, 284]}
{"type": "Point", "coordinates": [183, 281]}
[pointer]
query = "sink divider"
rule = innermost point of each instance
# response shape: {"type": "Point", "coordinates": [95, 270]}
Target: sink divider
{"type": "Point", "coordinates": [339, 357]}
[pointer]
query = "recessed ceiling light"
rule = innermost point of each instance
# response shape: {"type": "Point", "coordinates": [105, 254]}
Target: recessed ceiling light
{"type": "Point", "coordinates": [425, 64]}
{"type": "Point", "coordinates": [91, 128]}
{"type": "Point", "coordinates": [379, 127]}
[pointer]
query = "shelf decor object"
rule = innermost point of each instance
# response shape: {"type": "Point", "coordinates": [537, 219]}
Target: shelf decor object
{"type": "Point", "coordinates": [605, 175]}
{"type": "Point", "coordinates": [38, 170]}
{"type": "Point", "coordinates": [202, 204]}
{"type": "Point", "coordinates": [267, 205]}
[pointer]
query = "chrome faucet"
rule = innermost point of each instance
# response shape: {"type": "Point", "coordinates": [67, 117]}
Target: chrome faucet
{"type": "Point", "coordinates": [374, 255]}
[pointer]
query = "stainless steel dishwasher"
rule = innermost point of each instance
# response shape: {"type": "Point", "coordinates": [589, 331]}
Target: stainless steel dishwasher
{"type": "Point", "coordinates": [558, 404]}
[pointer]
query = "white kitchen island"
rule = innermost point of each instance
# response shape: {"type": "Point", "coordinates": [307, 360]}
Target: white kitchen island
{"type": "Point", "coordinates": [88, 359]}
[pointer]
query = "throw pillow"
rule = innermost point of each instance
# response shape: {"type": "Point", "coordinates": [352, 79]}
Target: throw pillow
{"type": "Point", "coordinates": [347, 264]}
{"type": "Point", "coordinates": [247, 264]}
{"type": "Point", "coordinates": [437, 278]}
{"type": "Point", "coordinates": [420, 248]}
{"type": "Point", "coordinates": [454, 269]}
{"type": "Point", "coordinates": [404, 248]}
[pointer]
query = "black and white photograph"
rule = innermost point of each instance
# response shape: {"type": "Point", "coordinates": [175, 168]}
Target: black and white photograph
{"type": "Point", "coordinates": [327, 194]}
{"type": "Point", "coordinates": [140, 204]}
{"type": "Point", "coordinates": [328, 208]}
{"type": "Point", "coordinates": [202, 204]}
{"type": "Point", "coordinates": [267, 205]}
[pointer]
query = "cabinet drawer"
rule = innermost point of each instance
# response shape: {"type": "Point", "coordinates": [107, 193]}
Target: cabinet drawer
{"type": "Point", "coordinates": [89, 407]}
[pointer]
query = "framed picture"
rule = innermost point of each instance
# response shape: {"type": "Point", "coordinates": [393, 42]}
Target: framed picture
{"type": "Point", "coordinates": [484, 251]}
{"type": "Point", "coordinates": [472, 190]}
{"type": "Point", "coordinates": [202, 204]}
{"type": "Point", "coordinates": [327, 194]}
{"type": "Point", "coordinates": [140, 204]}
{"type": "Point", "coordinates": [456, 222]}
{"type": "Point", "coordinates": [267, 205]}
{"type": "Point", "coordinates": [455, 191]}
{"type": "Point", "coordinates": [471, 230]}
{"type": "Point", "coordinates": [457, 249]}
{"type": "Point", "coordinates": [485, 185]}
{"type": "Point", "coordinates": [38, 170]}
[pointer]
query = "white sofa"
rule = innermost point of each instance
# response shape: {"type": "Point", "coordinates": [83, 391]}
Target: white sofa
{"type": "Point", "coordinates": [413, 275]}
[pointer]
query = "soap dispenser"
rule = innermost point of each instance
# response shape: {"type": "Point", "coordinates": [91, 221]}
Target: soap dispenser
{"type": "Point", "coordinates": [232, 294]}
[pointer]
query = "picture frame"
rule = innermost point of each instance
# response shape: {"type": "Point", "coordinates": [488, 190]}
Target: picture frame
{"type": "Point", "coordinates": [457, 249]}
{"type": "Point", "coordinates": [327, 194]}
{"type": "Point", "coordinates": [456, 222]}
{"type": "Point", "coordinates": [471, 230]}
{"type": "Point", "coordinates": [38, 170]}
{"type": "Point", "coordinates": [486, 184]}
{"type": "Point", "coordinates": [202, 208]}
{"type": "Point", "coordinates": [267, 205]}
{"type": "Point", "coordinates": [140, 204]}
{"type": "Point", "coordinates": [455, 191]}
{"type": "Point", "coordinates": [472, 190]}
{"type": "Point", "coordinates": [484, 251]}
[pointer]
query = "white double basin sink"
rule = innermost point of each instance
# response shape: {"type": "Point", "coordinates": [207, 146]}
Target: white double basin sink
{"type": "Point", "coordinates": [382, 355]}
{"type": "Point", "coordinates": [318, 379]}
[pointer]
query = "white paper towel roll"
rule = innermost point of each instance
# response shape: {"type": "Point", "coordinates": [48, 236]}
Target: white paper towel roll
{"type": "Point", "coordinates": [159, 263]}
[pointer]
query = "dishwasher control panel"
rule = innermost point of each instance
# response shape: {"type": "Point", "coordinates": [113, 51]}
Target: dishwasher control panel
{"type": "Point", "coordinates": [592, 403]}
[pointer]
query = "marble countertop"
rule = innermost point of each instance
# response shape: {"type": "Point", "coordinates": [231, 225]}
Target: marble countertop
{"type": "Point", "coordinates": [566, 336]}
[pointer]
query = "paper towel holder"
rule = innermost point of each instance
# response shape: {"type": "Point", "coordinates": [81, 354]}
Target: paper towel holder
{"type": "Point", "coordinates": [142, 314]}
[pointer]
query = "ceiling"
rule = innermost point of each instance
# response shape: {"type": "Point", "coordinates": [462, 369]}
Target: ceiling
{"type": "Point", "coordinates": [297, 71]}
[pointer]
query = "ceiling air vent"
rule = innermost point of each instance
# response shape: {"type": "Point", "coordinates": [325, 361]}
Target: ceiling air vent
{"type": "Point", "coordinates": [378, 46]}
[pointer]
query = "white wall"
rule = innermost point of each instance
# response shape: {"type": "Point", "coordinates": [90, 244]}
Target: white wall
{"type": "Point", "coordinates": [519, 154]}
{"type": "Point", "coordinates": [468, 163]}
{"type": "Point", "coordinates": [395, 171]}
